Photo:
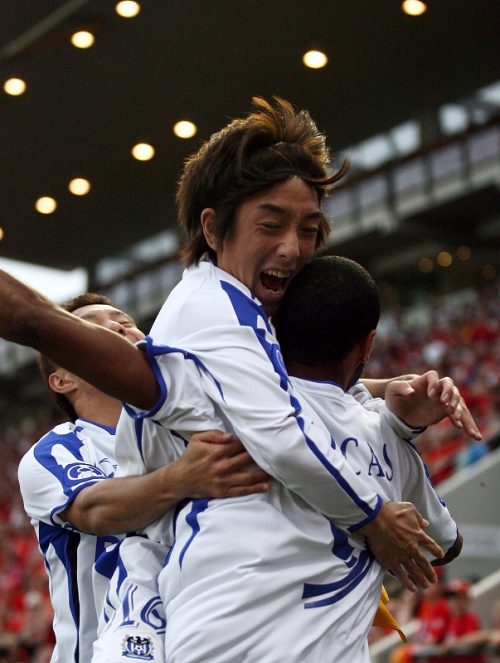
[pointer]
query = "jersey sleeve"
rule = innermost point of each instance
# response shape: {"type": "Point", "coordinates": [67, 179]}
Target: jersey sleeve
{"type": "Point", "coordinates": [52, 474]}
{"type": "Point", "coordinates": [244, 375]}
{"type": "Point", "coordinates": [419, 490]}
{"type": "Point", "coordinates": [183, 401]}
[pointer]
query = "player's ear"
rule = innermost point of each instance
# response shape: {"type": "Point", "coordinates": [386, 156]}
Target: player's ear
{"type": "Point", "coordinates": [62, 381]}
{"type": "Point", "coordinates": [207, 219]}
{"type": "Point", "coordinates": [367, 346]}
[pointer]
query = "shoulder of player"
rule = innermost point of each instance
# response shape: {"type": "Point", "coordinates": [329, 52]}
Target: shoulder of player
{"type": "Point", "coordinates": [63, 439]}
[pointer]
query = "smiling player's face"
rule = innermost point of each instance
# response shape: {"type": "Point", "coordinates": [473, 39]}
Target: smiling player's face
{"type": "Point", "coordinates": [274, 234]}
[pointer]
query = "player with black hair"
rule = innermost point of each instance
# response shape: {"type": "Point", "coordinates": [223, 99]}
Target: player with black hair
{"type": "Point", "coordinates": [326, 325]}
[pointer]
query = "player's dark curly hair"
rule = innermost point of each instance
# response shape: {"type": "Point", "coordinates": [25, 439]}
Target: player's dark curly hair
{"type": "Point", "coordinates": [329, 307]}
{"type": "Point", "coordinates": [47, 366]}
{"type": "Point", "coordinates": [251, 154]}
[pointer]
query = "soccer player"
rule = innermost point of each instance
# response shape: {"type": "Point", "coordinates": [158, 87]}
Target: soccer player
{"type": "Point", "coordinates": [293, 584]}
{"type": "Point", "coordinates": [74, 511]}
{"type": "Point", "coordinates": [326, 326]}
{"type": "Point", "coordinates": [250, 204]}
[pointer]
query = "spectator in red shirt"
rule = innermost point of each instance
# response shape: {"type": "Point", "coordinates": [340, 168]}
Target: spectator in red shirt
{"type": "Point", "coordinates": [463, 622]}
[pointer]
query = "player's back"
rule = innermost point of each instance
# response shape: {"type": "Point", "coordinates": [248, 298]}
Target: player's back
{"type": "Point", "coordinates": [391, 464]}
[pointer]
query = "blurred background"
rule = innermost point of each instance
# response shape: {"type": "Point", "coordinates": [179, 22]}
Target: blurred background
{"type": "Point", "coordinates": [100, 104]}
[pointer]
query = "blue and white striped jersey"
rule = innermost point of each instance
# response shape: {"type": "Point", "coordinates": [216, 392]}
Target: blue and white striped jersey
{"type": "Point", "coordinates": [61, 464]}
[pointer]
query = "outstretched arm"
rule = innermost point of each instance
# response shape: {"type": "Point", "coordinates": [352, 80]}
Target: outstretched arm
{"type": "Point", "coordinates": [117, 367]}
{"type": "Point", "coordinates": [426, 399]}
{"type": "Point", "coordinates": [212, 466]}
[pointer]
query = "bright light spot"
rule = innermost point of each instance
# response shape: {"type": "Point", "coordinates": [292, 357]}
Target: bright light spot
{"type": "Point", "coordinates": [488, 272]}
{"type": "Point", "coordinates": [79, 186]}
{"type": "Point", "coordinates": [453, 118]}
{"type": "Point", "coordinates": [444, 259]}
{"type": "Point", "coordinates": [82, 39]}
{"type": "Point", "coordinates": [414, 7]}
{"type": "Point", "coordinates": [143, 152]}
{"type": "Point", "coordinates": [45, 205]}
{"type": "Point", "coordinates": [185, 129]}
{"type": "Point", "coordinates": [315, 59]}
{"type": "Point", "coordinates": [425, 265]}
{"type": "Point", "coordinates": [2, 234]}
{"type": "Point", "coordinates": [14, 86]}
{"type": "Point", "coordinates": [464, 252]}
{"type": "Point", "coordinates": [128, 8]}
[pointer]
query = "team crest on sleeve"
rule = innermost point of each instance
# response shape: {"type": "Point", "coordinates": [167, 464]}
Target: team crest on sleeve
{"type": "Point", "coordinates": [82, 472]}
{"type": "Point", "coordinates": [139, 647]}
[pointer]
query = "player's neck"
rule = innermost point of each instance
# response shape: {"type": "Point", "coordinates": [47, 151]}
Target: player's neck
{"type": "Point", "coordinates": [332, 372]}
{"type": "Point", "coordinates": [103, 410]}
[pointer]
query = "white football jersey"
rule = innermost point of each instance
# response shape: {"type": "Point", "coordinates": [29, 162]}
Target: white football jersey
{"type": "Point", "coordinates": [211, 315]}
{"type": "Point", "coordinates": [62, 463]}
{"type": "Point", "coordinates": [390, 464]}
{"type": "Point", "coordinates": [265, 576]}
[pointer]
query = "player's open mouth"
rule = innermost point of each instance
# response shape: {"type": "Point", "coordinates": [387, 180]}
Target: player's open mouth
{"type": "Point", "coordinates": [274, 280]}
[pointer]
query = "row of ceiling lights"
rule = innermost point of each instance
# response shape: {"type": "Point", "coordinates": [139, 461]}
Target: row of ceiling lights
{"type": "Point", "coordinates": [314, 59]}
{"type": "Point", "coordinates": [80, 186]}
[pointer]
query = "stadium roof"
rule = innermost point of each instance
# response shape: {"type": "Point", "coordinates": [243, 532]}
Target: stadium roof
{"type": "Point", "coordinates": [84, 109]}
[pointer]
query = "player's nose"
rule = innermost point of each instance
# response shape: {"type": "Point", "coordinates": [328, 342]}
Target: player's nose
{"type": "Point", "coordinates": [290, 244]}
{"type": "Point", "coordinates": [117, 327]}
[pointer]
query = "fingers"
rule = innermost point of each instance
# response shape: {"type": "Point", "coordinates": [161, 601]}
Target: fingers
{"type": "Point", "coordinates": [456, 407]}
{"type": "Point", "coordinates": [397, 539]}
{"type": "Point", "coordinates": [404, 578]}
{"type": "Point", "coordinates": [466, 422]}
{"type": "Point", "coordinates": [445, 390]}
{"type": "Point", "coordinates": [230, 458]}
{"type": "Point", "coordinates": [215, 437]}
{"type": "Point", "coordinates": [241, 483]}
{"type": "Point", "coordinates": [242, 491]}
{"type": "Point", "coordinates": [421, 521]}
{"type": "Point", "coordinates": [419, 572]}
{"type": "Point", "coordinates": [425, 541]}
{"type": "Point", "coordinates": [414, 571]}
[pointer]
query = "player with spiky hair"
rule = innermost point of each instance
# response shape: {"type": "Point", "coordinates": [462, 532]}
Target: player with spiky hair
{"type": "Point", "coordinates": [249, 155]}
{"type": "Point", "coordinates": [217, 319]}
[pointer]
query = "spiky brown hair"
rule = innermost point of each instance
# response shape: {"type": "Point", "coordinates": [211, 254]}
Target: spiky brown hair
{"type": "Point", "coordinates": [270, 145]}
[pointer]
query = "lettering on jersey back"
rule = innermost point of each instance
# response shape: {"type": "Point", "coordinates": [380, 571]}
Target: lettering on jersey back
{"type": "Point", "coordinates": [361, 455]}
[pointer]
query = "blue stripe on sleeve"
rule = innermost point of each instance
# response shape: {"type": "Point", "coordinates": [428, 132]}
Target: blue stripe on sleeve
{"type": "Point", "coordinates": [73, 476]}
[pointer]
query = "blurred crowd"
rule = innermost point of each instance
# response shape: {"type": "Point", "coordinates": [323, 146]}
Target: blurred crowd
{"type": "Point", "coordinates": [448, 630]}
{"type": "Point", "coordinates": [25, 611]}
{"type": "Point", "coordinates": [457, 338]}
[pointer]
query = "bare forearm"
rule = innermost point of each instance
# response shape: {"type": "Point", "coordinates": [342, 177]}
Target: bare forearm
{"type": "Point", "coordinates": [117, 367]}
{"type": "Point", "coordinates": [214, 464]}
{"type": "Point", "coordinates": [125, 504]}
